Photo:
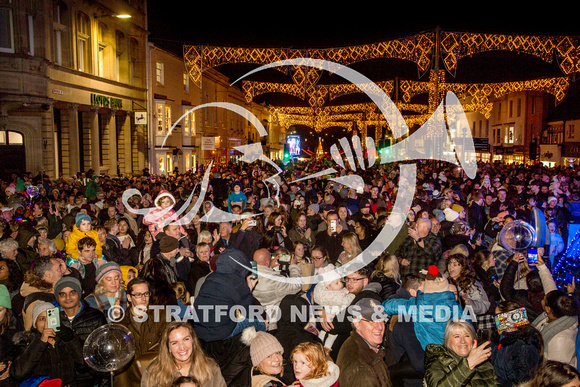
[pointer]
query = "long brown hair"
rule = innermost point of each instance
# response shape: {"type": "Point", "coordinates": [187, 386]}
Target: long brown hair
{"type": "Point", "coordinates": [466, 277]}
{"type": "Point", "coordinates": [160, 372]}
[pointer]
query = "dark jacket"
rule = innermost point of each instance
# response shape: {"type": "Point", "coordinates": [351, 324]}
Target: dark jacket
{"type": "Point", "coordinates": [84, 323]}
{"type": "Point", "coordinates": [388, 285]}
{"type": "Point", "coordinates": [40, 358]}
{"type": "Point", "coordinates": [114, 251]}
{"type": "Point", "coordinates": [360, 365]}
{"type": "Point", "coordinates": [226, 287]}
{"type": "Point", "coordinates": [515, 356]}
{"type": "Point", "coordinates": [531, 301]}
{"type": "Point", "coordinates": [26, 254]}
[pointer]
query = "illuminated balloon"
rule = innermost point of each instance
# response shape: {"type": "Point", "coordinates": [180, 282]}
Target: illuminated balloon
{"type": "Point", "coordinates": [109, 348]}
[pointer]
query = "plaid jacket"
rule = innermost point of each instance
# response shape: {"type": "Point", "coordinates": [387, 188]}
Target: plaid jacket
{"type": "Point", "coordinates": [420, 257]}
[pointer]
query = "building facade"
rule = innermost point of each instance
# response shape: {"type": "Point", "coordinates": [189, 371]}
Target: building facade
{"type": "Point", "coordinates": [74, 75]}
{"type": "Point", "coordinates": [189, 129]}
{"type": "Point", "coordinates": [514, 126]}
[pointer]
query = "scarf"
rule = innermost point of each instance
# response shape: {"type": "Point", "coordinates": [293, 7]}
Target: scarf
{"type": "Point", "coordinates": [552, 329]}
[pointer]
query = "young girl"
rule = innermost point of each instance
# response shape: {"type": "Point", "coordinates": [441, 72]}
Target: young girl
{"type": "Point", "coordinates": [313, 366]}
{"type": "Point", "coordinates": [155, 219]}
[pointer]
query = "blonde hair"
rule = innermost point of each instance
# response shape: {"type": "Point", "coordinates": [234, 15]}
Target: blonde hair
{"type": "Point", "coordinates": [161, 370]}
{"type": "Point", "coordinates": [352, 240]}
{"type": "Point", "coordinates": [203, 234]}
{"type": "Point", "coordinates": [387, 264]}
{"type": "Point", "coordinates": [317, 356]}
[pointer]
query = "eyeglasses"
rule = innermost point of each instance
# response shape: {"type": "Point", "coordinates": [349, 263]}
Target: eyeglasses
{"type": "Point", "coordinates": [317, 258]}
{"type": "Point", "coordinates": [141, 295]}
{"type": "Point", "coordinates": [353, 279]}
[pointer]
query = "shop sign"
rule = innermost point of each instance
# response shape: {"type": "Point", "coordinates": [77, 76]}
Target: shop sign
{"type": "Point", "coordinates": [104, 101]}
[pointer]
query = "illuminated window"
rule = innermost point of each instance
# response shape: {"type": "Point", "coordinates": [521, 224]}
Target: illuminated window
{"type": "Point", "coordinates": [160, 115]}
{"type": "Point", "coordinates": [83, 42]}
{"type": "Point", "coordinates": [159, 73]}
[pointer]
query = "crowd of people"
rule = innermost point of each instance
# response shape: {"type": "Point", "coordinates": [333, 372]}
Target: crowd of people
{"type": "Point", "coordinates": [227, 304]}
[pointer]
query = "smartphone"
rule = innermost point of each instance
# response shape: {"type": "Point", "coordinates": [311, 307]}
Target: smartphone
{"type": "Point", "coordinates": [53, 319]}
{"type": "Point", "coordinates": [333, 226]}
{"type": "Point", "coordinates": [254, 270]}
{"type": "Point", "coordinates": [532, 255]}
{"type": "Point", "coordinates": [483, 335]}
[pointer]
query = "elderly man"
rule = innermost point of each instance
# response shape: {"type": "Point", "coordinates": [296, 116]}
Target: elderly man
{"type": "Point", "coordinates": [270, 291]}
{"type": "Point", "coordinates": [361, 358]}
{"type": "Point", "coordinates": [420, 249]}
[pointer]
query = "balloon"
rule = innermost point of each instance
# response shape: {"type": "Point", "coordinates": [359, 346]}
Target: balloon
{"type": "Point", "coordinates": [32, 190]}
{"type": "Point", "coordinates": [518, 236]}
{"type": "Point", "coordinates": [109, 348]}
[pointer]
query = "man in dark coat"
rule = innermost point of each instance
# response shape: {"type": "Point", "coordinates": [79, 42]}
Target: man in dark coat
{"type": "Point", "coordinates": [229, 286]}
{"type": "Point", "coordinates": [83, 320]}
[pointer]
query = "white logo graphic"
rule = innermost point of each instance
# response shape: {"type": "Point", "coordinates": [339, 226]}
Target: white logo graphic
{"type": "Point", "coordinates": [447, 130]}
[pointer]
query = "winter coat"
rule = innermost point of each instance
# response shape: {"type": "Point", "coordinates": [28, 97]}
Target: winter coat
{"type": "Point", "coordinates": [445, 368]}
{"type": "Point", "coordinates": [32, 290]}
{"type": "Point", "coordinates": [430, 329]}
{"type": "Point", "coordinates": [361, 366]}
{"type": "Point", "coordinates": [389, 285]}
{"type": "Point", "coordinates": [72, 247]}
{"type": "Point", "coordinates": [40, 358]}
{"type": "Point", "coordinates": [329, 380]}
{"type": "Point", "coordinates": [26, 254]}
{"type": "Point", "coordinates": [83, 324]}
{"type": "Point", "coordinates": [333, 301]}
{"type": "Point", "coordinates": [516, 355]}
{"type": "Point", "coordinates": [226, 287]}
{"type": "Point", "coordinates": [559, 338]}
{"type": "Point", "coordinates": [147, 336]}
{"type": "Point", "coordinates": [270, 292]}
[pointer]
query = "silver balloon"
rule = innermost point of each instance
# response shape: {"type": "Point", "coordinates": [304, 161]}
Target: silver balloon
{"type": "Point", "coordinates": [518, 236]}
{"type": "Point", "coordinates": [109, 348]}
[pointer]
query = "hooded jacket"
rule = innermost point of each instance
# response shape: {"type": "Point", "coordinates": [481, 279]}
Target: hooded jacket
{"type": "Point", "coordinates": [428, 323]}
{"type": "Point", "coordinates": [225, 288]}
{"type": "Point", "coordinates": [26, 254]}
{"type": "Point", "coordinates": [72, 248]}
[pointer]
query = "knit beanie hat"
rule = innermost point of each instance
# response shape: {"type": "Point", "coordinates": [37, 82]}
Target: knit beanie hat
{"type": "Point", "coordinates": [107, 268]}
{"type": "Point", "coordinates": [68, 282]}
{"type": "Point", "coordinates": [457, 208]}
{"type": "Point", "coordinates": [434, 281]}
{"type": "Point", "coordinates": [314, 207]}
{"type": "Point", "coordinates": [81, 216]}
{"type": "Point", "coordinates": [262, 344]}
{"type": "Point", "coordinates": [39, 307]}
{"type": "Point", "coordinates": [5, 297]}
{"type": "Point", "coordinates": [450, 215]}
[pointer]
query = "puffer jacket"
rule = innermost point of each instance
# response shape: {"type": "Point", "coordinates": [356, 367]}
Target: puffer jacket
{"type": "Point", "coordinates": [444, 368]}
{"type": "Point", "coordinates": [72, 249]}
{"type": "Point", "coordinates": [26, 254]}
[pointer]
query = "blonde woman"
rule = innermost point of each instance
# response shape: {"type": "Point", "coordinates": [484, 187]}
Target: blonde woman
{"type": "Point", "coordinates": [109, 295]}
{"type": "Point", "coordinates": [181, 354]}
{"type": "Point", "coordinates": [386, 273]}
{"type": "Point", "coordinates": [351, 248]}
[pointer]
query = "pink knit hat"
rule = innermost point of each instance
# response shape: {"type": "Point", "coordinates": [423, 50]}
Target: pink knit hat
{"type": "Point", "coordinates": [262, 344]}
